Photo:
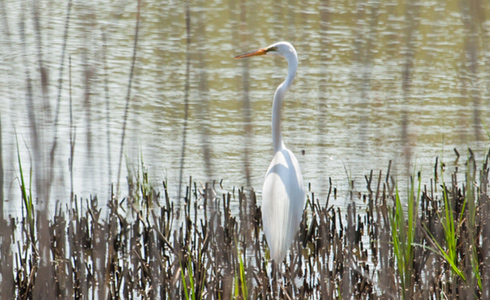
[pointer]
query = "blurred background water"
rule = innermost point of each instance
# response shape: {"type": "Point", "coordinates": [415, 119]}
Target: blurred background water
{"type": "Point", "coordinates": [377, 81]}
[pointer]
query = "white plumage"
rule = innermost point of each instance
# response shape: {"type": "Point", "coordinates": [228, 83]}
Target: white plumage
{"type": "Point", "coordinates": [283, 196]}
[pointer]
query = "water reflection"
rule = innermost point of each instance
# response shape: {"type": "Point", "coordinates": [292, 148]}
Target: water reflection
{"type": "Point", "coordinates": [376, 82]}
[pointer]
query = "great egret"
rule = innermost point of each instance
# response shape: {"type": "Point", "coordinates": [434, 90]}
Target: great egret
{"type": "Point", "coordinates": [283, 196]}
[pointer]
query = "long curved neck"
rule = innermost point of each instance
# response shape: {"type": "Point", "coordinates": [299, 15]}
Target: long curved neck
{"type": "Point", "coordinates": [276, 105]}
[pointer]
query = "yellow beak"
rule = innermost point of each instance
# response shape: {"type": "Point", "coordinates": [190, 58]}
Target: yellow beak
{"type": "Point", "coordinates": [261, 51]}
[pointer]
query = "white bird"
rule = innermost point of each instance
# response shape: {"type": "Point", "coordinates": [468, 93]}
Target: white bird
{"type": "Point", "coordinates": [283, 196]}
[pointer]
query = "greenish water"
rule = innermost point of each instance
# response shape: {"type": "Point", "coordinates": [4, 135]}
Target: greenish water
{"type": "Point", "coordinates": [376, 82]}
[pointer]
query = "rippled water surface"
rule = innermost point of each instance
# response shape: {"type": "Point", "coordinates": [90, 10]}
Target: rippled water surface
{"type": "Point", "coordinates": [377, 81]}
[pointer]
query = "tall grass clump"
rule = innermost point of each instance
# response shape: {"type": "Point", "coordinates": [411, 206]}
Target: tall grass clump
{"type": "Point", "coordinates": [451, 223]}
{"type": "Point", "coordinates": [403, 233]}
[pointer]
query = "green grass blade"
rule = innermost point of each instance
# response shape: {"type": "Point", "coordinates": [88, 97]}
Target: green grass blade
{"type": "Point", "coordinates": [236, 290]}
{"type": "Point", "coordinates": [184, 282]}
{"type": "Point", "coordinates": [26, 193]}
{"type": "Point", "coordinates": [242, 276]}
{"type": "Point", "coordinates": [476, 268]}
{"type": "Point", "coordinates": [22, 182]}
{"type": "Point", "coordinates": [191, 279]}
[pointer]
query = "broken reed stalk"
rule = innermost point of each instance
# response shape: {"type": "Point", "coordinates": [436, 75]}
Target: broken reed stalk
{"type": "Point", "coordinates": [143, 247]}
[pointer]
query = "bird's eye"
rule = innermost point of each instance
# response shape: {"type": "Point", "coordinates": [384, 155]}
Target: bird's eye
{"type": "Point", "coordinates": [272, 49]}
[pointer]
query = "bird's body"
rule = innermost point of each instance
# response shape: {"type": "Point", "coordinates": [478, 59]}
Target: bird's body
{"type": "Point", "coordinates": [283, 196]}
{"type": "Point", "coordinates": [282, 202]}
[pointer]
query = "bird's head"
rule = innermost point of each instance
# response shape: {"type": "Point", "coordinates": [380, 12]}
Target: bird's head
{"type": "Point", "coordinates": [284, 49]}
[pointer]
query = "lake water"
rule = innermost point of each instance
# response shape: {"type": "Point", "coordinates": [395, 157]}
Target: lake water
{"type": "Point", "coordinates": [377, 81]}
